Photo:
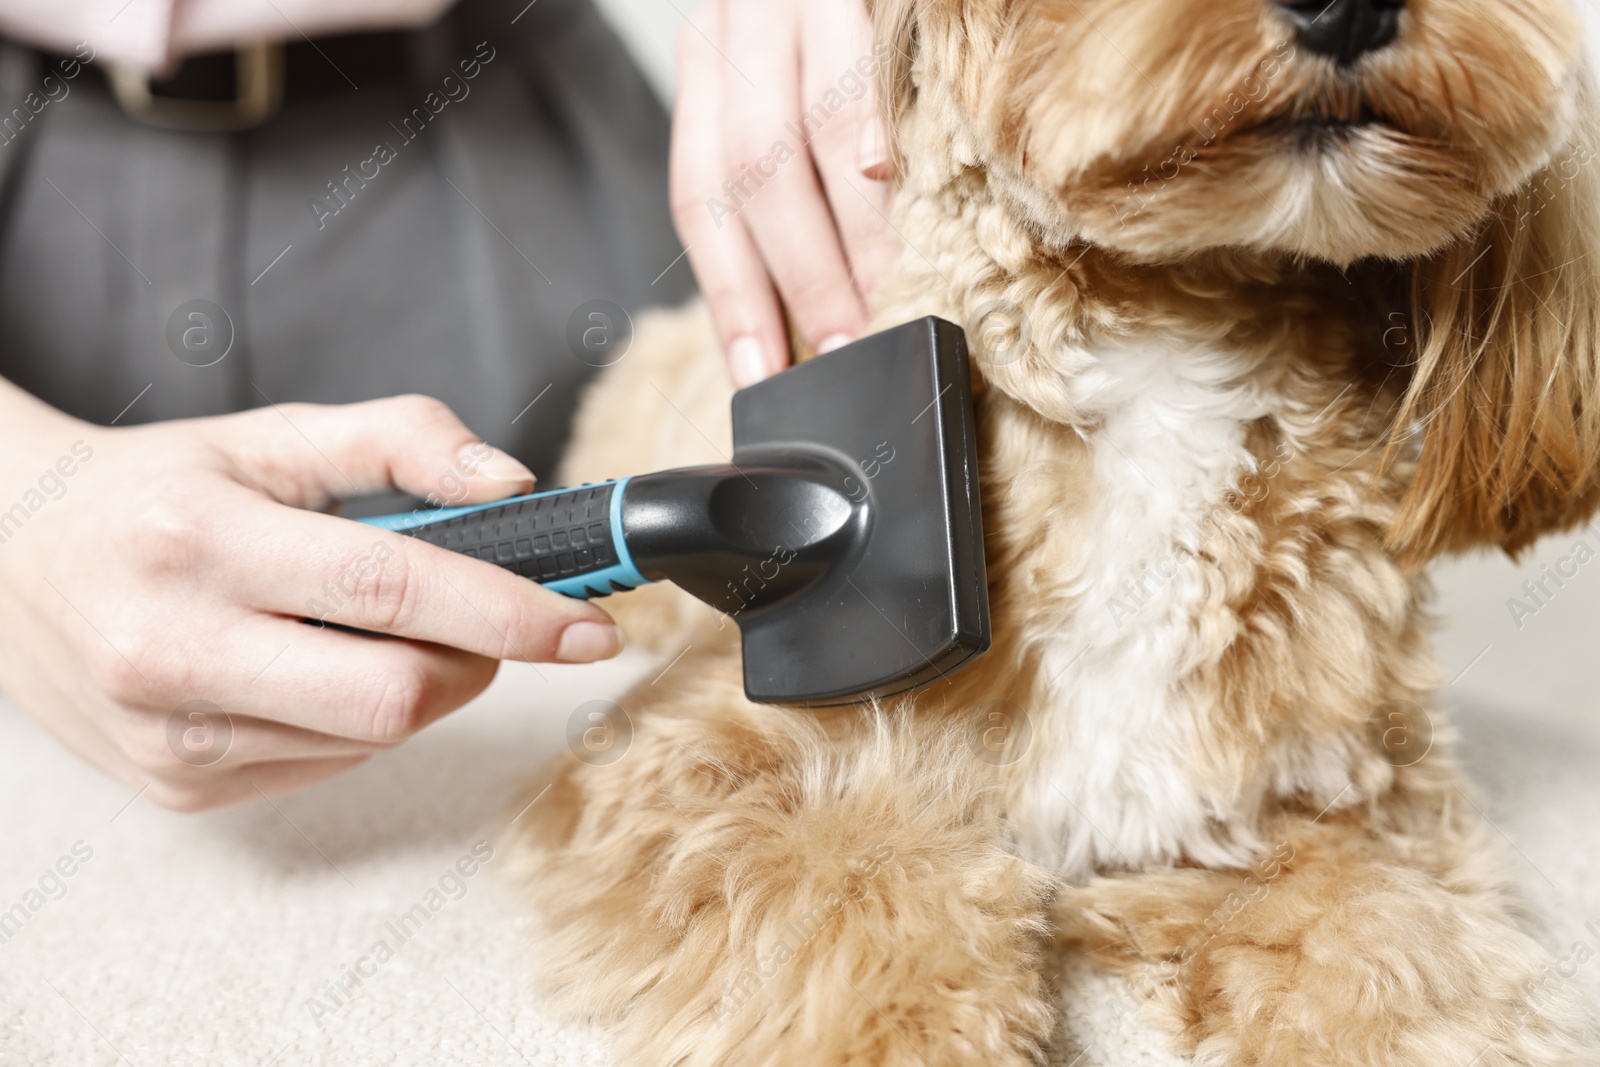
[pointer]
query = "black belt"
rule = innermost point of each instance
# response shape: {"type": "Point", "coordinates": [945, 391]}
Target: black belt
{"type": "Point", "coordinates": [241, 89]}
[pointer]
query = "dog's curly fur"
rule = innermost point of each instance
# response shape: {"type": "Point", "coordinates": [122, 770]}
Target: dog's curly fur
{"type": "Point", "coordinates": [1256, 337]}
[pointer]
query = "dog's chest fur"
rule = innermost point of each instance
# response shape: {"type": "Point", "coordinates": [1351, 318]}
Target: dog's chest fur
{"type": "Point", "coordinates": [1195, 613]}
{"type": "Point", "coordinates": [1115, 778]}
{"type": "Point", "coordinates": [1127, 544]}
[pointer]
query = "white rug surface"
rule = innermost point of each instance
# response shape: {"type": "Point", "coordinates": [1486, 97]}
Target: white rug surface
{"type": "Point", "coordinates": [182, 940]}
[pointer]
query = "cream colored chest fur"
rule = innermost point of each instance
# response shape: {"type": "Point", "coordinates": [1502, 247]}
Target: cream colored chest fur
{"type": "Point", "coordinates": [1115, 779]}
{"type": "Point", "coordinates": [1120, 588]}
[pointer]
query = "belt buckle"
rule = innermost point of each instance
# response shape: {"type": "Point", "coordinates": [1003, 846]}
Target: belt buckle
{"type": "Point", "coordinates": [258, 76]}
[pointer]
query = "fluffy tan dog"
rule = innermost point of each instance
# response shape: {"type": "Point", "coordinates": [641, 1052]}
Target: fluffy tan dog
{"type": "Point", "coordinates": [1266, 315]}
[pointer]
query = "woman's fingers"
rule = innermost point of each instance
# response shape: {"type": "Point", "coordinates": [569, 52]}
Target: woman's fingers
{"type": "Point", "coordinates": [310, 454]}
{"type": "Point", "coordinates": [307, 565]}
{"type": "Point", "coordinates": [294, 680]}
{"type": "Point", "coordinates": [707, 207]}
{"type": "Point", "coordinates": [203, 735]}
{"type": "Point", "coordinates": [840, 65]}
{"type": "Point", "coordinates": [779, 165]}
{"type": "Point", "coordinates": [243, 784]}
{"type": "Point", "coordinates": [771, 131]}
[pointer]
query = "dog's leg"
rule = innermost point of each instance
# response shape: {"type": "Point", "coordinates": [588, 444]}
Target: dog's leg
{"type": "Point", "coordinates": [749, 886]}
{"type": "Point", "coordinates": [1349, 945]}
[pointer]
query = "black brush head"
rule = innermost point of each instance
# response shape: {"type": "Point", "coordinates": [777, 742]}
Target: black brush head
{"type": "Point", "coordinates": [843, 537]}
{"type": "Point", "coordinates": [887, 425]}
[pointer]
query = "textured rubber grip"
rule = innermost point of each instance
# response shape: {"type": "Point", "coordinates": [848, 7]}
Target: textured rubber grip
{"type": "Point", "coordinates": [566, 539]}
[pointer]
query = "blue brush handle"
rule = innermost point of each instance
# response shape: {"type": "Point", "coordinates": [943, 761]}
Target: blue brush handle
{"type": "Point", "coordinates": [569, 540]}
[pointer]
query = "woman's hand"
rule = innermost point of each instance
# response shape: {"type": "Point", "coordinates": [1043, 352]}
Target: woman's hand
{"type": "Point", "coordinates": [153, 579]}
{"type": "Point", "coordinates": [779, 172]}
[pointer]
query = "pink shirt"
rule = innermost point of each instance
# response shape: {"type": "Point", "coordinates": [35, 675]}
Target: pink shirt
{"type": "Point", "coordinates": [151, 34]}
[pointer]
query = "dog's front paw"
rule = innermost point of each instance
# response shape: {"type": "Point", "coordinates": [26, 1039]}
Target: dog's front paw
{"type": "Point", "coordinates": [1335, 953]}
{"type": "Point", "coordinates": [729, 896]}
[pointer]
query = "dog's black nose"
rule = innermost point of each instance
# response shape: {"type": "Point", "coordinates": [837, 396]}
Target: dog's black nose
{"type": "Point", "coordinates": [1344, 29]}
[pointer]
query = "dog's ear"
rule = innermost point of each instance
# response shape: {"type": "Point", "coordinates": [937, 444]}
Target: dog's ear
{"type": "Point", "coordinates": [1502, 411]}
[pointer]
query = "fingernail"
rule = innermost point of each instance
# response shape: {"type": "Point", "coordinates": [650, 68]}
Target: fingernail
{"type": "Point", "coordinates": [832, 341]}
{"type": "Point", "coordinates": [872, 150]}
{"type": "Point", "coordinates": [748, 360]}
{"type": "Point", "coordinates": [496, 466]}
{"type": "Point", "coordinates": [585, 642]}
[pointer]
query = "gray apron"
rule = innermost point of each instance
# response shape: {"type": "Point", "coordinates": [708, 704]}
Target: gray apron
{"type": "Point", "coordinates": [426, 232]}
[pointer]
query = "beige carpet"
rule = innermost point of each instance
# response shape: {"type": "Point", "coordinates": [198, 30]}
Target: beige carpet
{"type": "Point", "coordinates": [224, 938]}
